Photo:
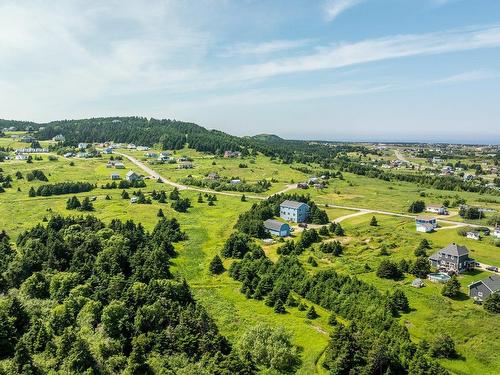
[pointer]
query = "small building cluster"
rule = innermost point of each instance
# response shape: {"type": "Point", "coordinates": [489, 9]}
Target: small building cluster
{"type": "Point", "coordinates": [232, 154]}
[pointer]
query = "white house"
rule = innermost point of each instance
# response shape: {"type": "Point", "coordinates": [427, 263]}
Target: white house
{"type": "Point", "coordinates": [473, 235]}
{"type": "Point", "coordinates": [425, 224]}
{"type": "Point", "coordinates": [59, 138]}
{"type": "Point", "coordinates": [119, 166]}
{"type": "Point", "coordinates": [83, 146]}
{"type": "Point", "coordinates": [21, 157]}
{"type": "Point", "coordinates": [108, 150]}
{"type": "Point", "coordinates": [496, 232]}
{"type": "Point", "coordinates": [437, 209]}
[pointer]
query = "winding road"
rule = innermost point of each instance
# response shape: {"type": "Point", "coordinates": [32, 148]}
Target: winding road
{"type": "Point", "coordinates": [360, 210]}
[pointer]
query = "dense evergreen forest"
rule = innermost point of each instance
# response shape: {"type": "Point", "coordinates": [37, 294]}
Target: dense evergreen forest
{"type": "Point", "coordinates": [82, 297]}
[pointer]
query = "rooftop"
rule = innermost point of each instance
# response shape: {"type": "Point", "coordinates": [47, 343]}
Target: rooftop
{"type": "Point", "coordinates": [291, 204]}
{"type": "Point", "coordinates": [454, 249]}
{"type": "Point", "coordinates": [274, 225]}
{"type": "Point", "coordinates": [491, 282]}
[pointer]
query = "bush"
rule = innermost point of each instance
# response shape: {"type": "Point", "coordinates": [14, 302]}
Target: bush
{"type": "Point", "coordinates": [443, 347]}
{"type": "Point", "coordinates": [388, 270]}
{"type": "Point", "coordinates": [417, 207]}
{"type": "Point", "coordinates": [492, 303]}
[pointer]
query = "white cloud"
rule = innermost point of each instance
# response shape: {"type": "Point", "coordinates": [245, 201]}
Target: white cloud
{"type": "Point", "coordinates": [264, 48]}
{"type": "Point", "coordinates": [471, 76]}
{"type": "Point", "coordinates": [333, 8]}
{"type": "Point", "coordinates": [370, 50]}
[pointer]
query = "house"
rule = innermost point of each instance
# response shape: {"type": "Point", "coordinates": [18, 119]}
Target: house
{"type": "Point", "coordinates": [59, 138]}
{"type": "Point", "coordinates": [213, 176]}
{"type": "Point", "coordinates": [436, 160]}
{"type": "Point", "coordinates": [319, 186]}
{"type": "Point", "coordinates": [83, 146]}
{"type": "Point", "coordinates": [131, 146]}
{"type": "Point", "coordinates": [417, 283]}
{"type": "Point", "coordinates": [235, 181]}
{"type": "Point", "coordinates": [277, 228]}
{"type": "Point", "coordinates": [496, 232]}
{"type": "Point", "coordinates": [150, 154]}
{"type": "Point", "coordinates": [473, 235]}
{"type": "Point", "coordinates": [294, 211]}
{"type": "Point", "coordinates": [232, 154]}
{"type": "Point", "coordinates": [185, 165]}
{"type": "Point", "coordinates": [468, 177]}
{"type": "Point", "coordinates": [425, 223]}
{"type": "Point", "coordinates": [447, 170]}
{"type": "Point", "coordinates": [119, 166]}
{"type": "Point", "coordinates": [142, 148]}
{"type": "Point", "coordinates": [21, 157]}
{"type": "Point", "coordinates": [482, 289]}
{"type": "Point", "coordinates": [27, 139]}
{"type": "Point", "coordinates": [115, 176]}
{"type": "Point", "coordinates": [107, 150]}
{"type": "Point", "coordinates": [452, 259]}
{"type": "Point", "coordinates": [313, 180]}
{"type": "Point", "coordinates": [134, 200]}
{"type": "Point", "coordinates": [302, 185]}
{"type": "Point", "coordinates": [69, 155]}
{"type": "Point", "coordinates": [437, 209]}
{"type": "Point", "coordinates": [132, 176]}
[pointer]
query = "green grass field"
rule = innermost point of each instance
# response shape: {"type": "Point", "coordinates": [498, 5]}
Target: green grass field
{"type": "Point", "coordinates": [208, 228]}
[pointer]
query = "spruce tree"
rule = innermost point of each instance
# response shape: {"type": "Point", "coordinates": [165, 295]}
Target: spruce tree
{"type": "Point", "coordinates": [311, 313]}
{"type": "Point", "coordinates": [373, 222]}
{"type": "Point", "coordinates": [279, 307]}
{"type": "Point", "coordinates": [216, 267]}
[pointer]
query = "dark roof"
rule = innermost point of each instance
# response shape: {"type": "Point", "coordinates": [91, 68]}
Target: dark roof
{"type": "Point", "coordinates": [454, 249]}
{"type": "Point", "coordinates": [292, 204]}
{"type": "Point", "coordinates": [491, 282]}
{"type": "Point", "coordinates": [273, 225]}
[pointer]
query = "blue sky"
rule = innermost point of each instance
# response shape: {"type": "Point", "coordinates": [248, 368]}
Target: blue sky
{"type": "Point", "coordinates": [424, 70]}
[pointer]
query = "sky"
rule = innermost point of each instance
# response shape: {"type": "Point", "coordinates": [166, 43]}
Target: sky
{"type": "Point", "coordinates": [340, 70]}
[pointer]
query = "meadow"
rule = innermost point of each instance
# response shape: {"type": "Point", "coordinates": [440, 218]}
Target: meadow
{"type": "Point", "coordinates": [473, 330]}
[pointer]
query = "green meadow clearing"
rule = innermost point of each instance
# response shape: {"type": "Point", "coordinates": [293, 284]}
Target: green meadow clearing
{"type": "Point", "coordinates": [474, 331]}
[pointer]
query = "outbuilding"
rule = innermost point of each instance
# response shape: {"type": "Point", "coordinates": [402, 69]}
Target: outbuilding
{"type": "Point", "coordinates": [277, 228]}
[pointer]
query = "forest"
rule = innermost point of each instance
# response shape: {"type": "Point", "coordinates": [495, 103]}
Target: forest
{"type": "Point", "coordinates": [81, 296]}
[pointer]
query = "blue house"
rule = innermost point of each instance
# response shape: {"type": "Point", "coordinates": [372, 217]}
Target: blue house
{"type": "Point", "coordinates": [277, 228]}
{"type": "Point", "coordinates": [294, 211]}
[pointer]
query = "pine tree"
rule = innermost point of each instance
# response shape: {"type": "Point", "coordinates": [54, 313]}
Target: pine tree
{"type": "Point", "coordinates": [311, 313]}
{"type": "Point", "coordinates": [216, 267]}
{"type": "Point", "coordinates": [451, 288]}
{"type": "Point", "coordinates": [87, 205]}
{"type": "Point", "coordinates": [373, 221]}
{"type": "Point", "coordinates": [32, 192]}
{"type": "Point", "coordinates": [125, 195]}
{"type": "Point", "coordinates": [160, 213]}
{"type": "Point", "coordinates": [174, 194]}
{"type": "Point", "coordinates": [243, 198]}
{"type": "Point", "coordinates": [200, 198]}
{"type": "Point", "coordinates": [339, 231]}
{"type": "Point", "coordinates": [279, 307]}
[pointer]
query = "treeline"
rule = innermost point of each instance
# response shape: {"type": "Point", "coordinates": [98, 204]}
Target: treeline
{"type": "Point", "coordinates": [172, 134]}
{"type": "Point", "coordinates": [60, 188]}
{"type": "Point", "coordinates": [124, 184]}
{"type": "Point", "coordinates": [436, 182]}
{"type": "Point", "coordinates": [225, 185]}
{"type": "Point", "coordinates": [83, 297]}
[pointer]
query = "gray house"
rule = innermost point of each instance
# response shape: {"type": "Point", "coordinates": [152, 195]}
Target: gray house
{"type": "Point", "coordinates": [294, 211]}
{"type": "Point", "coordinates": [452, 259]}
{"type": "Point", "coordinates": [277, 228]}
{"type": "Point", "coordinates": [482, 289]}
{"type": "Point", "coordinates": [132, 176]}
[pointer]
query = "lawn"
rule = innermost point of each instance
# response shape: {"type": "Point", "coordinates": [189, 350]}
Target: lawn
{"type": "Point", "coordinates": [474, 330]}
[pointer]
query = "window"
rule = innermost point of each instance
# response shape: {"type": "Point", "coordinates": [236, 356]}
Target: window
{"type": "Point", "coordinates": [480, 294]}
